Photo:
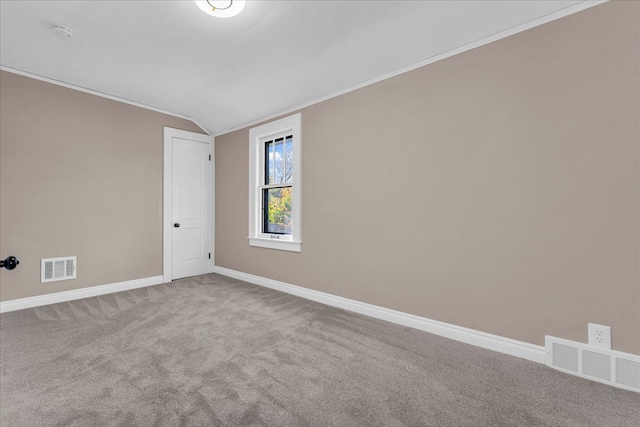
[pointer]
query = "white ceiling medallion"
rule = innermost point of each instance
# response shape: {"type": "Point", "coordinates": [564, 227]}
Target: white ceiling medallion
{"type": "Point", "coordinates": [221, 8]}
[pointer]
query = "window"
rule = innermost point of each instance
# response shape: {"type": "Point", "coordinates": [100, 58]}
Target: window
{"type": "Point", "coordinates": [274, 179]}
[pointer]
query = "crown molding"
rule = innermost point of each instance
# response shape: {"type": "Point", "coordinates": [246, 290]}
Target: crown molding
{"type": "Point", "coordinates": [490, 39]}
{"type": "Point", "coordinates": [100, 94]}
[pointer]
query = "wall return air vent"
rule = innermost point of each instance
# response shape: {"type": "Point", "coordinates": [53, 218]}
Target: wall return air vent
{"type": "Point", "coordinates": [54, 269]}
{"type": "Point", "coordinates": [611, 367]}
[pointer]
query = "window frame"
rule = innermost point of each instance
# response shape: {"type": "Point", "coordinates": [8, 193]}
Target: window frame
{"type": "Point", "coordinates": [258, 136]}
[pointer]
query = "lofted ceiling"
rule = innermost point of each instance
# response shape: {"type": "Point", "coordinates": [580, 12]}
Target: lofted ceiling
{"type": "Point", "coordinates": [225, 73]}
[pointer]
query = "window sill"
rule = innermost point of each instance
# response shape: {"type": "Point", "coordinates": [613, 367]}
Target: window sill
{"type": "Point", "coordinates": [282, 245]}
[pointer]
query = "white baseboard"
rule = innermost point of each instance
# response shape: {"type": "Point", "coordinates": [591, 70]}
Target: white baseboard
{"type": "Point", "coordinates": [91, 291]}
{"type": "Point", "coordinates": [532, 352]}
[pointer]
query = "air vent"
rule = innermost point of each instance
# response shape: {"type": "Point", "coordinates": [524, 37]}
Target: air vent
{"type": "Point", "coordinates": [54, 269]}
{"type": "Point", "coordinates": [611, 367]}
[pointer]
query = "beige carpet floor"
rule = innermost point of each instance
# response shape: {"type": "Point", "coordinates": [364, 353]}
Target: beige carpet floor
{"type": "Point", "coordinates": [213, 351]}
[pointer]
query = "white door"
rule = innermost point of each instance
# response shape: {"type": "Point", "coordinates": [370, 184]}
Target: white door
{"type": "Point", "coordinates": [191, 212]}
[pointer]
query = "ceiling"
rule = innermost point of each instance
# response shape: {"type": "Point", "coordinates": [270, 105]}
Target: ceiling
{"type": "Point", "coordinates": [226, 73]}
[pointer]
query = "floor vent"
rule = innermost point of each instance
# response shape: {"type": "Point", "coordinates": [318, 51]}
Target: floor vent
{"type": "Point", "coordinates": [54, 269]}
{"type": "Point", "coordinates": [606, 366]}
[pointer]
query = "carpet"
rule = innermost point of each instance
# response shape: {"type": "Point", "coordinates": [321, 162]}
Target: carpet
{"type": "Point", "coordinates": [215, 351]}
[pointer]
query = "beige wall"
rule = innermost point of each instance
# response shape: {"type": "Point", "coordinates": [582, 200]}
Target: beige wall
{"type": "Point", "coordinates": [498, 189]}
{"type": "Point", "coordinates": [80, 175]}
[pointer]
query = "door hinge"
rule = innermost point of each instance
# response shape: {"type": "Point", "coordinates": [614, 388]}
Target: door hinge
{"type": "Point", "coordinates": [209, 255]}
{"type": "Point", "coordinates": [209, 157]}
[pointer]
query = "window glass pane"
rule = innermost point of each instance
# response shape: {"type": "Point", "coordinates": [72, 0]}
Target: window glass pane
{"type": "Point", "coordinates": [273, 163]}
{"type": "Point", "coordinates": [269, 166]}
{"type": "Point", "coordinates": [277, 210]}
{"type": "Point", "coordinates": [279, 161]}
{"type": "Point", "coordinates": [288, 159]}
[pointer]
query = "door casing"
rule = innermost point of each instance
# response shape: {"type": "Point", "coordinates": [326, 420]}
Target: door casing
{"type": "Point", "coordinates": [167, 196]}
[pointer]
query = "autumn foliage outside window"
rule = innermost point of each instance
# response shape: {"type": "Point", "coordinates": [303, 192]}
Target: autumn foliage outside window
{"type": "Point", "coordinates": [276, 191]}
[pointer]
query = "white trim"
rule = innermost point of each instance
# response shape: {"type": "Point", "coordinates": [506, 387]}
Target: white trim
{"type": "Point", "coordinates": [167, 196]}
{"type": "Point", "coordinates": [532, 352]}
{"type": "Point", "coordinates": [91, 291]}
{"type": "Point", "coordinates": [282, 245]}
{"type": "Point", "coordinates": [212, 180]}
{"type": "Point", "coordinates": [490, 39]}
{"type": "Point", "coordinates": [100, 94]}
{"type": "Point", "coordinates": [257, 136]}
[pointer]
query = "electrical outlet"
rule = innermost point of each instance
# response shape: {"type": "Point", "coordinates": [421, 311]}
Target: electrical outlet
{"type": "Point", "coordinates": [599, 336]}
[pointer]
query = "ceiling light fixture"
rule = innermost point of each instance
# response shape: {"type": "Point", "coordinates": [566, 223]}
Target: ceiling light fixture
{"type": "Point", "coordinates": [221, 8]}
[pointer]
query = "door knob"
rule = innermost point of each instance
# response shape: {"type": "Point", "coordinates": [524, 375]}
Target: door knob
{"type": "Point", "coordinates": [9, 263]}
{"type": "Point", "coordinates": [176, 225]}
